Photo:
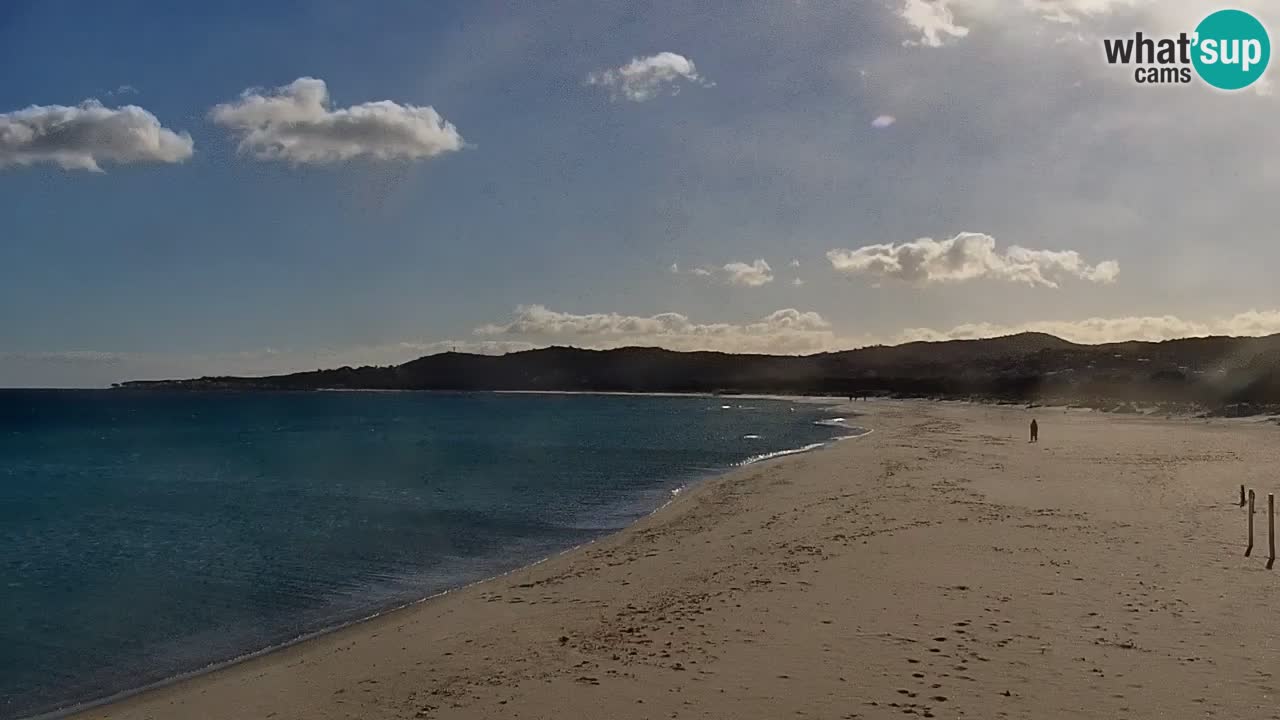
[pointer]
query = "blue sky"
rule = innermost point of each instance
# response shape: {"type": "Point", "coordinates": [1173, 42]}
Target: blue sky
{"type": "Point", "coordinates": [601, 193]}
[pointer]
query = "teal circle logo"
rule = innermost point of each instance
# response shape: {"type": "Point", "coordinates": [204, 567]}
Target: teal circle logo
{"type": "Point", "coordinates": [1232, 49]}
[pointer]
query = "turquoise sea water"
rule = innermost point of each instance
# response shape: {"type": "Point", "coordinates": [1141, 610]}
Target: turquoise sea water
{"type": "Point", "coordinates": [145, 535]}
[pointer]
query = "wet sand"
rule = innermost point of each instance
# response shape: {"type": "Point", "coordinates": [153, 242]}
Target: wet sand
{"type": "Point", "coordinates": [941, 566]}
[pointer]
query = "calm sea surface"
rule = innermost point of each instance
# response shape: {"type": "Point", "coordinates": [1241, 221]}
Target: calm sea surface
{"type": "Point", "coordinates": [144, 535]}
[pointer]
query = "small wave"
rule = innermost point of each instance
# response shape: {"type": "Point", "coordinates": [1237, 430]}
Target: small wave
{"type": "Point", "coordinates": [750, 437]}
{"type": "Point", "coordinates": [842, 423]}
{"type": "Point", "coordinates": [779, 453]}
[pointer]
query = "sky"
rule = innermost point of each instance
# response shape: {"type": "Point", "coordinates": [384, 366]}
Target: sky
{"type": "Point", "coordinates": [253, 188]}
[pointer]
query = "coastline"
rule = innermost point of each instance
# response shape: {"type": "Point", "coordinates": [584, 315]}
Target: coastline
{"type": "Point", "coordinates": [811, 399]}
{"type": "Point", "coordinates": [1081, 575]}
{"type": "Point", "coordinates": [123, 697]}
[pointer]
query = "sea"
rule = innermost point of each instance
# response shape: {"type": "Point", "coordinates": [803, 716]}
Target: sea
{"type": "Point", "coordinates": [145, 535]}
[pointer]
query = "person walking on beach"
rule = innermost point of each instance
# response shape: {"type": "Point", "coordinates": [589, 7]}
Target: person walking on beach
{"type": "Point", "coordinates": [1035, 431]}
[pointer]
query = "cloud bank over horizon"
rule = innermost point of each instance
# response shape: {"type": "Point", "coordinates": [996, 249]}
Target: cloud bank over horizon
{"type": "Point", "coordinates": [792, 331]}
{"type": "Point", "coordinates": [787, 331]}
{"type": "Point", "coordinates": [783, 332]}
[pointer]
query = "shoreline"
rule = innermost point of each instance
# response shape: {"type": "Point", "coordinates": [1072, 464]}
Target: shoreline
{"type": "Point", "coordinates": [123, 696]}
{"type": "Point", "coordinates": [80, 709]}
{"type": "Point", "coordinates": [944, 567]}
{"type": "Point", "coordinates": [811, 399]}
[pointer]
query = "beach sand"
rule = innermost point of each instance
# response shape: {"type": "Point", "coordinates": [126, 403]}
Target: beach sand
{"type": "Point", "coordinates": [941, 566]}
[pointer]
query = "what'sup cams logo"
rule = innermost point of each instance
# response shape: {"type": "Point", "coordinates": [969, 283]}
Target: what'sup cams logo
{"type": "Point", "coordinates": [1229, 50]}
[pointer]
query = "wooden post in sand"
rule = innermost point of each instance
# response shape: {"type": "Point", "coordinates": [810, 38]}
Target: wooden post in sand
{"type": "Point", "coordinates": [1271, 529]}
{"type": "Point", "coordinates": [1241, 496]}
{"type": "Point", "coordinates": [1249, 549]}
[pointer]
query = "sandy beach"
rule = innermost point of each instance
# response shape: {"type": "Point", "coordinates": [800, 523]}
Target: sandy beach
{"type": "Point", "coordinates": [941, 566]}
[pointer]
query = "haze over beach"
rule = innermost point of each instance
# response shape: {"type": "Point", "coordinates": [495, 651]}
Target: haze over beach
{"type": "Point", "coordinates": [658, 359]}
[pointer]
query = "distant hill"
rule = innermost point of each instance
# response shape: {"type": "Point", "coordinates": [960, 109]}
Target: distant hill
{"type": "Point", "coordinates": [1215, 372]}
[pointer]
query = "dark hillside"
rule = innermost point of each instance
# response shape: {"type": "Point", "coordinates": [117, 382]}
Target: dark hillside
{"type": "Point", "coordinates": [1215, 372]}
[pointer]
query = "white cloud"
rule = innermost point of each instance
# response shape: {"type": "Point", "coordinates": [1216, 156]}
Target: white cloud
{"type": "Point", "coordinates": [1118, 329]}
{"type": "Point", "coordinates": [883, 121]}
{"type": "Point", "coordinates": [1074, 11]}
{"type": "Point", "coordinates": [787, 331]}
{"type": "Point", "coordinates": [675, 268]}
{"type": "Point", "coordinates": [743, 275]}
{"type": "Point", "coordinates": [753, 274]}
{"type": "Point", "coordinates": [969, 256]}
{"type": "Point", "coordinates": [934, 20]}
{"type": "Point", "coordinates": [795, 263]}
{"type": "Point", "coordinates": [83, 136]}
{"type": "Point", "coordinates": [295, 124]}
{"type": "Point", "coordinates": [644, 78]}
{"type": "Point", "coordinates": [938, 21]}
